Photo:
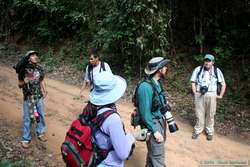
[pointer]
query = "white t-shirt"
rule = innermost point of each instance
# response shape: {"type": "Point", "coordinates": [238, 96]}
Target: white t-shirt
{"type": "Point", "coordinates": [207, 78]}
{"type": "Point", "coordinates": [94, 71]}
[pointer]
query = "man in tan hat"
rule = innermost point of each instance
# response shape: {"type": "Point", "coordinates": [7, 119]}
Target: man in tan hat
{"type": "Point", "coordinates": [150, 108]}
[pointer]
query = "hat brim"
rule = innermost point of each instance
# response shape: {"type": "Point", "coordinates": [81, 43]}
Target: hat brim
{"type": "Point", "coordinates": [149, 72]}
{"type": "Point", "coordinates": [159, 66]}
{"type": "Point", "coordinates": [28, 54]}
{"type": "Point", "coordinates": [100, 98]}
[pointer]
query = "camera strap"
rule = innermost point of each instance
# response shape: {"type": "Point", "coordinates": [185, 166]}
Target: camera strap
{"type": "Point", "coordinates": [165, 101]}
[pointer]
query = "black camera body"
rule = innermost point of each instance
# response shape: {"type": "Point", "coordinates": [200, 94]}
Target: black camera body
{"type": "Point", "coordinates": [165, 109]}
{"type": "Point", "coordinates": [203, 89]}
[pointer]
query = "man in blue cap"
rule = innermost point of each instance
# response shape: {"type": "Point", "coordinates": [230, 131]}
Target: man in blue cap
{"type": "Point", "coordinates": [206, 81]}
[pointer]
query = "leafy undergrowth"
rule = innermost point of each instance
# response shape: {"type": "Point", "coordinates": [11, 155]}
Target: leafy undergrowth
{"type": "Point", "coordinates": [18, 163]}
{"type": "Point", "coordinates": [233, 111]}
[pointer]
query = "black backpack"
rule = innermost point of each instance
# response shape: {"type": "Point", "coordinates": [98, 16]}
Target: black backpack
{"type": "Point", "coordinates": [90, 71]}
{"type": "Point", "coordinates": [20, 67]}
{"type": "Point", "coordinates": [216, 75]}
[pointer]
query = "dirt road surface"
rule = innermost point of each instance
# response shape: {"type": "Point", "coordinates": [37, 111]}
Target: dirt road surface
{"type": "Point", "coordinates": [62, 105]}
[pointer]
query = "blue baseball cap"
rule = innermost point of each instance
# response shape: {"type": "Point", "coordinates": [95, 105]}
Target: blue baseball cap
{"type": "Point", "coordinates": [209, 57]}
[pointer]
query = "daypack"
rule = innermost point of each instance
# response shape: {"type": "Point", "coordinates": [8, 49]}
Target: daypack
{"type": "Point", "coordinates": [90, 71]}
{"type": "Point", "coordinates": [216, 75]}
{"type": "Point", "coordinates": [20, 67]}
{"type": "Point", "coordinates": [79, 148]}
{"type": "Point", "coordinates": [136, 118]}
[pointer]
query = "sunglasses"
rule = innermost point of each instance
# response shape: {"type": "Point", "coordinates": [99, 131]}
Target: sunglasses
{"type": "Point", "coordinates": [207, 60]}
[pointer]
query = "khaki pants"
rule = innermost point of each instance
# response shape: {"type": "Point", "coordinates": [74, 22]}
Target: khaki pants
{"type": "Point", "coordinates": [205, 109]}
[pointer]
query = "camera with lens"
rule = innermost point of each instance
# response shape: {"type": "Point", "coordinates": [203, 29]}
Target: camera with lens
{"type": "Point", "coordinates": [203, 89]}
{"type": "Point", "coordinates": [166, 110]}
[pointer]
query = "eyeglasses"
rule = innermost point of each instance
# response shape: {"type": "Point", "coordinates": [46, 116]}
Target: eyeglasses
{"type": "Point", "coordinates": [207, 60]}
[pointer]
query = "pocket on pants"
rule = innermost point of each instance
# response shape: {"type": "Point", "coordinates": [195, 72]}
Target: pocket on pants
{"type": "Point", "coordinates": [157, 148]}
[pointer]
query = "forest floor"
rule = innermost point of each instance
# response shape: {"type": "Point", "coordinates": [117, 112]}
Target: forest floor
{"type": "Point", "coordinates": [62, 105]}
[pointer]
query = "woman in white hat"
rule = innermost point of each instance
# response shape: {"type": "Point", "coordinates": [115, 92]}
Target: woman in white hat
{"type": "Point", "coordinates": [108, 88]}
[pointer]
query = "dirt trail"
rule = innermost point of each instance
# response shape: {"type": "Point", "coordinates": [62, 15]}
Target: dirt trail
{"type": "Point", "coordinates": [62, 105]}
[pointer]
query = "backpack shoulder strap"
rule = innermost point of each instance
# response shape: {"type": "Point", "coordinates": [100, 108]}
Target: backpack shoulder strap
{"type": "Point", "coordinates": [155, 92]}
{"type": "Point", "coordinates": [99, 119]}
{"type": "Point", "coordinates": [102, 67]}
{"type": "Point", "coordinates": [135, 93]}
{"type": "Point", "coordinates": [103, 116]}
{"type": "Point", "coordinates": [216, 72]}
{"type": "Point", "coordinates": [90, 72]}
{"type": "Point", "coordinates": [198, 74]}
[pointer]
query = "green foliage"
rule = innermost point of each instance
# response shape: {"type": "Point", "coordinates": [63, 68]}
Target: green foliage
{"type": "Point", "coordinates": [130, 32]}
{"type": "Point", "coordinates": [71, 53]}
{"type": "Point", "coordinates": [199, 39]}
{"type": "Point", "coordinates": [47, 20]}
{"type": "Point", "coordinates": [19, 163]}
{"type": "Point", "coordinates": [134, 31]}
{"type": "Point", "coordinates": [128, 71]}
{"type": "Point", "coordinates": [50, 60]}
{"type": "Point", "coordinates": [221, 112]}
{"type": "Point", "coordinates": [178, 80]}
{"type": "Point", "coordinates": [224, 48]}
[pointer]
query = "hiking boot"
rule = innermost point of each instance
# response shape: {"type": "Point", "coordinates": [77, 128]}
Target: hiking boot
{"type": "Point", "coordinates": [195, 135]}
{"type": "Point", "coordinates": [42, 138]}
{"type": "Point", "coordinates": [25, 144]}
{"type": "Point", "coordinates": [209, 137]}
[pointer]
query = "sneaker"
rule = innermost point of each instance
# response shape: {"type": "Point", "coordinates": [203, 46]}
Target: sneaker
{"type": "Point", "coordinates": [195, 135]}
{"type": "Point", "coordinates": [25, 144]}
{"type": "Point", "coordinates": [209, 137]}
{"type": "Point", "coordinates": [42, 138]}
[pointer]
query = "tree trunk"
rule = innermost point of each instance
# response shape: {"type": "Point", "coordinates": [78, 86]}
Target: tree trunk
{"type": "Point", "coordinates": [201, 26]}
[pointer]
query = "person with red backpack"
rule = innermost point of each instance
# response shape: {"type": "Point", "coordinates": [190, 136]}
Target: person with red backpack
{"type": "Point", "coordinates": [208, 85]}
{"type": "Point", "coordinates": [95, 66]}
{"type": "Point", "coordinates": [98, 137]}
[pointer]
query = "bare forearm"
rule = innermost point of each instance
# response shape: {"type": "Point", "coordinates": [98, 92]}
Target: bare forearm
{"type": "Point", "coordinates": [223, 89]}
{"type": "Point", "coordinates": [193, 87]}
{"type": "Point", "coordinates": [43, 86]}
{"type": "Point", "coordinates": [84, 86]}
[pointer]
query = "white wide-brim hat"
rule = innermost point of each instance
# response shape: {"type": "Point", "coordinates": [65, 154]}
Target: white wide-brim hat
{"type": "Point", "coordinates": [30, 52]}
{"type": "Point", "coordinates": [155, 64]}
{"type": "Point", "coordinates": [108, 88]}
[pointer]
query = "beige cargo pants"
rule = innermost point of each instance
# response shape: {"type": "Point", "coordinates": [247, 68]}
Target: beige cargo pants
{"type": "Point", "coordinates": [205, 109]}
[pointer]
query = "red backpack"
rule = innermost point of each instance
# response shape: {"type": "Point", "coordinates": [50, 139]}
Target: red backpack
{"type": "Point", "coordinates": [79, 148]}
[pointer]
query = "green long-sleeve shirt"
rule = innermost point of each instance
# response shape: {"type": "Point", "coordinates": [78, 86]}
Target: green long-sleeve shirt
{"type": "Point", "coordinates": [145, 96]}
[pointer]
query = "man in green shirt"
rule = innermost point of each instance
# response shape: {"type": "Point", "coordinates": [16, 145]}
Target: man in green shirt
{"type": "Point", "coordinates": [150, 106]}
